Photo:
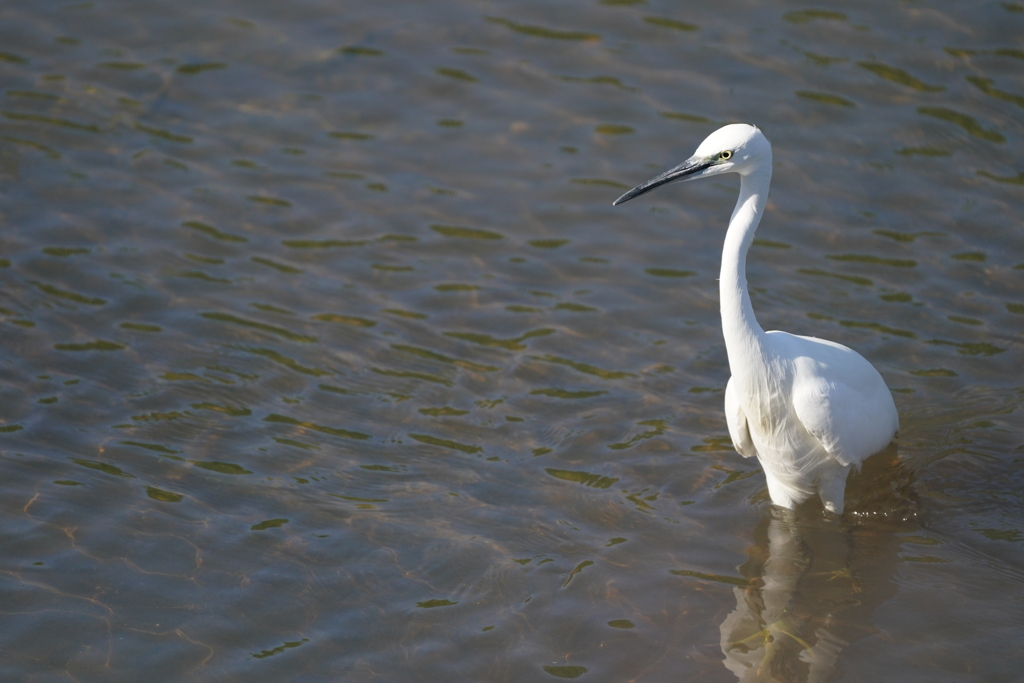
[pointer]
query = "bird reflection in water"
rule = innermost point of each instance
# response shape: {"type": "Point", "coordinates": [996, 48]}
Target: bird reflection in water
{"type": "Point", "coordinates": [814, 580]}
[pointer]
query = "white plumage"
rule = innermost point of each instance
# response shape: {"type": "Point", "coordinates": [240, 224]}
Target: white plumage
{"type": "Point", "coordinates": [809, 409]}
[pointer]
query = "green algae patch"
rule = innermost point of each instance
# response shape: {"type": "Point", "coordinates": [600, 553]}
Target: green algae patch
{"type": "Point", "coordinates": [675, 24]}
{"type": "Point", "coordinates": [98, 345]}
{"type": "Point", "coordinates": [566, 671]}
{"type": "Point", "coordinates": [468, 449]}
{"type": "Point", "coordinates": [269, 524]}
{"type": "Point", "coordinates": [596, 481]}
{"type": "Point", "coordinates": [263, 327]}
{"type": "Point", "coordinates": [332, 431]}
{"type": "Point", "coordinates": [462, 232]}
{"type": "Point", "coordinates": [106, 468]}
{"type": "Point", "coordinates": [825, 98]}
{"type": "Point", "coordinates": [220, 467]}
{"type": "Point", "coordinates": [279, 649]}
{"type": "Point", "coordinates": [555, 392]}
{"type": "Point", "coordinates": [200, 67]}
{"type": "Point", "coordinates": [213, 232]}
{"type": "Point", "coordinates": [430, 604]}
{"type": "Point", "coordinates": [163, 496]}
{"type": "Point", "coordinates": [544, 32]}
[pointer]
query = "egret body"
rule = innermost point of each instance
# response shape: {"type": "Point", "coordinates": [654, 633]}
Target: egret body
{"type": "Point", "coordinates": [809, 409]}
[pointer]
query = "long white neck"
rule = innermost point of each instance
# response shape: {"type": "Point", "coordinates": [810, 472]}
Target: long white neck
{"type": "Point", "coordinates": [740, 327]}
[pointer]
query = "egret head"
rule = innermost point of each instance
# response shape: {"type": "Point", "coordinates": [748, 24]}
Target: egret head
{"type": "Point", "coordinates": [736, 148]}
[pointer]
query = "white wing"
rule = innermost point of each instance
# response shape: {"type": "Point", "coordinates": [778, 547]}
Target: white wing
{"type": "Point", "coordinates": [842, 400]}
{"type": "Point", "coordinates": [737, 422]}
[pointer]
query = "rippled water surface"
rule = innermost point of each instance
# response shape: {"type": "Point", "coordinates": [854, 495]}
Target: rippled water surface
{"type": "Point", "coordinates": [326, 358]}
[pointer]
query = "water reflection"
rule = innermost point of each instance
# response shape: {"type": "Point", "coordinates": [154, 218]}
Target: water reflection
{"type": "Point", "coordinates": [814, 582]}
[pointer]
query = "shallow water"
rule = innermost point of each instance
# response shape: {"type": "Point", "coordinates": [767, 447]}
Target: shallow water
{"type": "Point", "coordinates": [326, 357]}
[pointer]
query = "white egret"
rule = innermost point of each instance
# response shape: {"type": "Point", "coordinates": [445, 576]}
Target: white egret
{"type": "Point", "coordinates": [809, 409]}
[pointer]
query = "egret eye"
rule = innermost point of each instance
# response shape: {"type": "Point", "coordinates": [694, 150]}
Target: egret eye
{"type": "Point", "coordinates": [725, 155]}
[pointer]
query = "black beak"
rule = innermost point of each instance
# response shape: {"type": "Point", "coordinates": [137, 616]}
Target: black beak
{"type": "Point", "coordinates": [684, 171]}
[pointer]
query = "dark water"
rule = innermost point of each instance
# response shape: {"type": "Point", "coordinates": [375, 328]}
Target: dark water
{"type": "Point", "coordinates": [326, 358]}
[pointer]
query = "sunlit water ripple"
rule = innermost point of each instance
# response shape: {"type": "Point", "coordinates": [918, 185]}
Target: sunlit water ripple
{"type": "Point", "coordinates": [325, 356]}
